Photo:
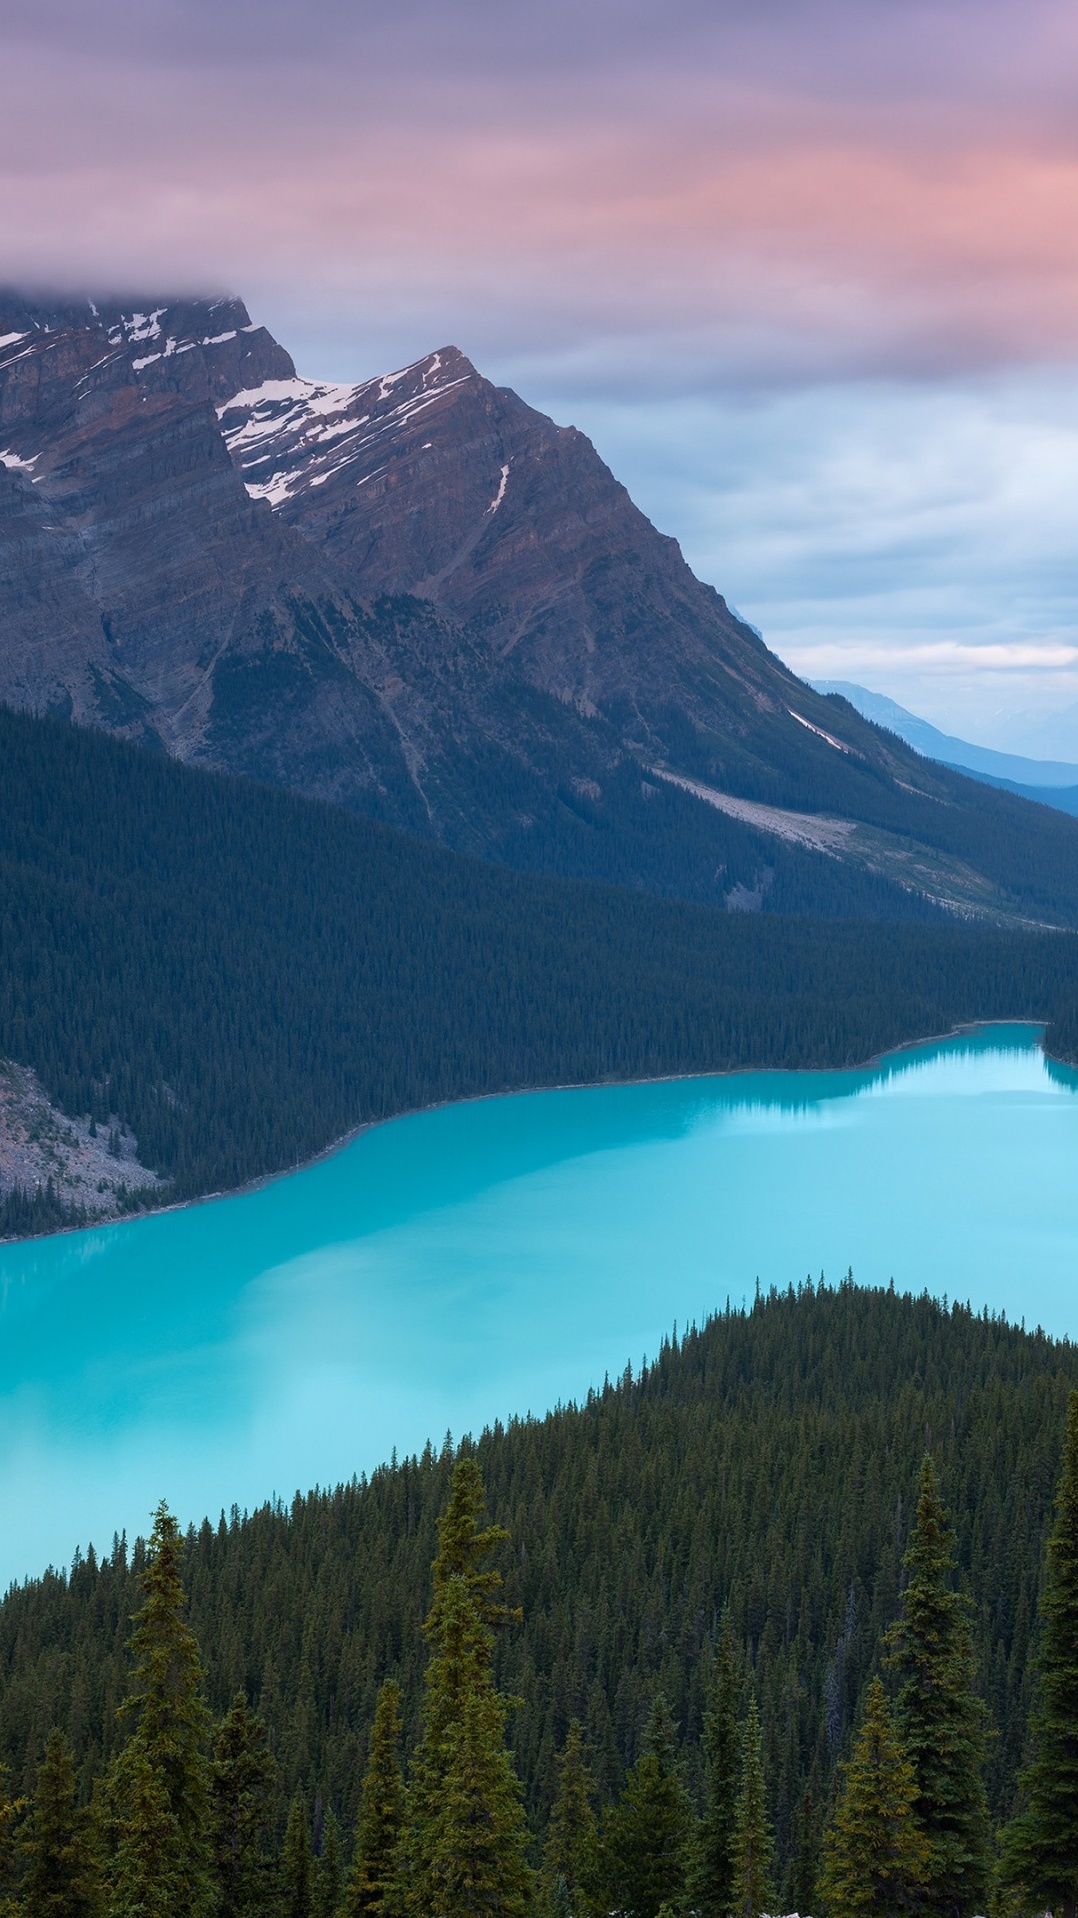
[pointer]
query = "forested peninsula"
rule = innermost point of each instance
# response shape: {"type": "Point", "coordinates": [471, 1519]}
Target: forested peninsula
{"type": "Point", "coordinates": [728, 1624]}
{"type": "Point", "coordinates": [238, 977]}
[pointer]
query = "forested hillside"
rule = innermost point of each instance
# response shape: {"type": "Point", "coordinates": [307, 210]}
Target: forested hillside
{"type": "Point", "coordinates": [767, 1464]}
{"type": "Point", "coordinates": [241, 976]}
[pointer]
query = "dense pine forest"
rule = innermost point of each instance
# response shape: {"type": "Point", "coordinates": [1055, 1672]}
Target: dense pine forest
{"type": "Point", "coordinates": [786, 1506]}
{"type": "Point", "coordinates": [242, 976]}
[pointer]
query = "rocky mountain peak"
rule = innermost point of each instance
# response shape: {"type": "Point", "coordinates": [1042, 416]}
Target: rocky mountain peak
{"type": "Point", "coordinates": [418, 596]}
{"type": "Point", "coordinates": [292, 437]}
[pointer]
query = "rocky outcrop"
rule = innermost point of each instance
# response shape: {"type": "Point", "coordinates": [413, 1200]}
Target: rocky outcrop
{"type": "Point", "coordinates": [91, 1172]}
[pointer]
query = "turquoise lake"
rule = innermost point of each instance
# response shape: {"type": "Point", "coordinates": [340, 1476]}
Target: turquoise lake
{"type": "Point", "coordinates": [495, 1257]}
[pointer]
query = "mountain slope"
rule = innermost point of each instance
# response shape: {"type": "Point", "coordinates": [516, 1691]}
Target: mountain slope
{"type": "Point", "coordinates": [421, 599]}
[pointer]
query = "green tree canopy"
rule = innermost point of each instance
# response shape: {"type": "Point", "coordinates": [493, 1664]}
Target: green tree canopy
{"type": "Point", "coordinates": [713, 1864]}
{"type": "Point", "coordinates": [11, 1812]}
{"type": "Point", "coordinates": [147, 1877]}
{"type": "Point", "coordinates": [465, 1843]}
{"type": "Point", "coordinates": [241, 1789]}
{"type": "Point", "coordinates": [295, 1873]}
{"type": "Point", "coordinates": [328, 1872]}
{"type": "Point", "coordinates": [647, 1834]}
{"type": "Point", "coordinates": [60, 1879]}
{"type": "Point", "coordinates": [370, 1891]}
{"type": "Point", "coordinates": [940, 1717]}
{"type": "Point", "coordinates": [1040, 1853]}
{"type": "Point", "coordinates": [876, 1858]}
{"type": "Point", "coordinates": [159, 1785]}
{"type": "Point", "coordinates": [569, 1856]}
{"type": "Point", "coordinates": [752, 1887]}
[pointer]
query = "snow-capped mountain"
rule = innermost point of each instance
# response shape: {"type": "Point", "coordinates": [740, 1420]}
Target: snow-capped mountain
{"type": "Point", "coordinates": [419, 597]}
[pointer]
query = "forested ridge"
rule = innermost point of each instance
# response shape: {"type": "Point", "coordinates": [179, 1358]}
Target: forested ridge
{"type": "Point", "coordinates": [243, 976]}
{"type": "Point", "coordinates": [763, 1470]}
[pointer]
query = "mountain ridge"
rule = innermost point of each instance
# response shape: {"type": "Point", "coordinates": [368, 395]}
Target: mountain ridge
{"type": "Point", "coordinates": [421, 599]}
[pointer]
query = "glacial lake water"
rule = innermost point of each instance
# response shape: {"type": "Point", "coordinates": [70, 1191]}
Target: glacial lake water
{"type": "Point", "coordinates": [495, 1257]}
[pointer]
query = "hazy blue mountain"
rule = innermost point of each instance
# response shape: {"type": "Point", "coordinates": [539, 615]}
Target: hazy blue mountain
{"type": "Point", "coordinates": [1011, 770]}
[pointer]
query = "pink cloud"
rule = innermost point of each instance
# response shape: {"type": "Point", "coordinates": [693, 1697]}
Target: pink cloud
{"type": "Point", "coordinates": [809, 188]}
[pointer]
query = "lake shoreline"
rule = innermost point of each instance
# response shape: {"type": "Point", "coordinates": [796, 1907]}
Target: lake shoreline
{"type": "Point", "coordinates": [517, 1092]}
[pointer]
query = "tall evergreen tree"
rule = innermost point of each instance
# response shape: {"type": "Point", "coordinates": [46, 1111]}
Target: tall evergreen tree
{"type": "Point", "coordinates": [370, 1892]}
{"type": "Point", "coordinates": [752, 1887]}
{"type": "Point", "coordinates": [60, 1877]}
{"type": "Point", "coordinates": [712, 1878]}
{"type": "Point", "coordinates": [647, 1834]}
{"type": "Point", "coordinates": [328, 1872]}
{"type": "Point", "coordinates": [875, 1855]}
{"type": "Point", "coordinates": [465, 1842]}
{"type": "Point", "coordinates": [295, 1872]}
{"type": "Point", "coordinates": [940, 1717]}
{"type": "Point", "coordinates": [1040, 1849]}
{"type": "Point", "coordinates": [569, 1856]}
{"type": "Point", "coordinates": [159, 1785]}
{"type": "Point", "coordinates": [241, 1787]}
{"type": "Point", "coordinates": [464, 1545]}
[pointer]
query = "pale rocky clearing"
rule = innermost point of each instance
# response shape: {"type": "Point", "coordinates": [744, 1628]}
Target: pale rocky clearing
{"type": "Point", "coordinates": [39, 1143]}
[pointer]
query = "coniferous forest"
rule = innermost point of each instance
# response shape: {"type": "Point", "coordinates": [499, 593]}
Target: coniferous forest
{"type": "Point", "coordinates": [788, 1621]}
{"type": "Point", "coordinates": [242, 976]}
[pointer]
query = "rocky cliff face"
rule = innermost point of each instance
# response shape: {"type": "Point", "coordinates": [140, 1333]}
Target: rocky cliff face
{"type": "Point", "coordinates": [418, 597]}
{"type": "Point", "coordinates": [433, 482]}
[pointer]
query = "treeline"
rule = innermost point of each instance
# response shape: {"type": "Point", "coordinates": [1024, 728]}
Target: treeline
{"type": "Point", "coordinates": [762, 1472]}
{"type": "Point", "coordinates": [181, 1825]}
{"type": "Point", "coordinates": [242, 976]}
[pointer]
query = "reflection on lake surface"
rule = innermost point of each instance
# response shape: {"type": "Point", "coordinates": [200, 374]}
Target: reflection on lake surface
{"type": "Point", "coordinates": [492, 1258]}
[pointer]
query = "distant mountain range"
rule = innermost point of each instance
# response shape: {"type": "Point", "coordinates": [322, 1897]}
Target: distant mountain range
{"type": "Point", "coordinates": [1051, 781]}
{"type": "Point", "coordinates": [421, 599]}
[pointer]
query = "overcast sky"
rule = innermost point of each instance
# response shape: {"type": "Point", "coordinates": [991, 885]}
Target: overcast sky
{"type": "Point", "coordinates": [806, 271]}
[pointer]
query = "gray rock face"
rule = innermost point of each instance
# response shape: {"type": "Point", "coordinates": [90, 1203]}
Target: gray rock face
{"type": "Point", "coordinates": [145, 590]}
{"type": "Point", "coordinates": [417, 597]}
{"type": "Point", "coordinates": [433, 482]}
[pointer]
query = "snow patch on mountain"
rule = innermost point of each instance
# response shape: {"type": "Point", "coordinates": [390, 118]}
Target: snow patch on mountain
{"type": "Point", "coordinates": [17, 465]}
{"type": "Point", "coordinates": [290, 435]}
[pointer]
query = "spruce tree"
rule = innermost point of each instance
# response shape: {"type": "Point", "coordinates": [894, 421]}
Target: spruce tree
{"type": "Point", "coordinates": [464, 1545]}
{"type": "Point", "coordinates": [752, 1892]}
{"type": "Point", "coordinates": [159, 1784]}
{"type": "Point", "coordinates": [465, 1842]}
{"type": "Point", "coordinates": [60, 1878]}
{"type": "Point", "coordinates": [1040, 1848]}
{"type": "Point", "coordinates": [569, 1856]}
{"type": "Point", "coordinates": [712, 1879]}
{"type": "Point", "coordinates": [241, 1785]}
{"type": "Point", "coordinates": [370, 1890]}
{"type": "Point", "coordinates": [147, 1878]}
{"type": "Point", "coordinates": [875, 1854]}
{"type": "Point", "coordinates": [295, 1872]}
{"type": "Point", "coordinates": [647, 1834]}
{"type": "Point", "coordinates": [329, 1872]}
{"type": "Point", "coordinates": [939, 1716]}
